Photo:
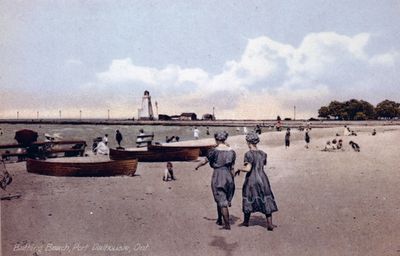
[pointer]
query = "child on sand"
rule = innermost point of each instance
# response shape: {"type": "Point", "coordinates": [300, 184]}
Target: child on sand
{"type": "Point", "coordinates": [169, 173]}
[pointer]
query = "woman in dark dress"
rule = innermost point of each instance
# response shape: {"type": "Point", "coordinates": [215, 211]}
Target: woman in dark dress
{"type": "Point", "coordinates": [307, 137]}
{"type": "Point", "coordinates": [257, 193]}
{"type": "Point", "coordinates": [222, 160]}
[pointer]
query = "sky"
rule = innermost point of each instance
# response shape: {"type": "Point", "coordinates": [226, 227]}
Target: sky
{"type": "Point", "coordinates": [247, 59]}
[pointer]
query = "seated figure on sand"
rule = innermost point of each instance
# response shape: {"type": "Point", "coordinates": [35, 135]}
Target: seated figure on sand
{"type": "Point", "coordinates": [340, 145]}
{"type": "Point", "coordinates": [328, 146]}
{"type": "Point", "coordinates": [102, 148]}
{"type": "Point", "coordinates": [346, 131]}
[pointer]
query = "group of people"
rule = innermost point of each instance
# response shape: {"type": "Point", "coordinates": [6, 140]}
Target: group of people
{"type": "Point", "coordinates": [100, 144]}
{"type": "Point", "coordinates": [257, 194]}
{"type": "Point", "coordinates": [334, 145]}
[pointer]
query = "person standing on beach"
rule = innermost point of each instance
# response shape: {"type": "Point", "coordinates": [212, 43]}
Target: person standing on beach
{"type": "Point", "coordinates": [307, 137]}
{"type": "Point", "coordinates": [222, 159]}
{"type": "Point", "coordinates": [256, 191]}
{"type": "Point", "coordinates": [118, 137]}
{"type": "Point", "coordinates": [196, 133]}
{"type": "Point", "coordinates": [287, 138]}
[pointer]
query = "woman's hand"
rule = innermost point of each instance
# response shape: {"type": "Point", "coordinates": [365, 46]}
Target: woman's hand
{"type": "Point", "coordinates": [204, 162]}
{"type": "Point", "coordinates": [237, 173]}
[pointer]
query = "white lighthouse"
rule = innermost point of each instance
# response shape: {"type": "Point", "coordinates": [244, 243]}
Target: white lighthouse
{"type": "Point", "coordinates": [146, 110]}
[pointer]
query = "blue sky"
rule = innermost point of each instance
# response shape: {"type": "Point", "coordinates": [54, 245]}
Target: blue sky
{"type": "Point", "coordinates": [248, 59]}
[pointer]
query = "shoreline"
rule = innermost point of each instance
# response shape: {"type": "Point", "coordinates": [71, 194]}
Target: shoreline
{"type": "Point", "coordinates": [226, 122]}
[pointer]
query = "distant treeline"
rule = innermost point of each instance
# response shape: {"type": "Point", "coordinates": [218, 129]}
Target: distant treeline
{"type": "Point", "coordinates": [360, 110]}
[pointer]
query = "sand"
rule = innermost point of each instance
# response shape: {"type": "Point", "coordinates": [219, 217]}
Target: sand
{"type": "Point", "coordinates": [330, 203]}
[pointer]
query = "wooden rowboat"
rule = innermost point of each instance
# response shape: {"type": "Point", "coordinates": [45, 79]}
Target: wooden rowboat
{"type": "Point", "coordinates": [72, 167]}
{"type": "Point", "coordinates": [203, 148]}
{"type": "Point", "coordinates": [149, 155]}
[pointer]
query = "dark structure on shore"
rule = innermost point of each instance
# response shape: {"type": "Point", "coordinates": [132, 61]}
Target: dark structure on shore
{"type": "Point", "coordinates": [210, 117]}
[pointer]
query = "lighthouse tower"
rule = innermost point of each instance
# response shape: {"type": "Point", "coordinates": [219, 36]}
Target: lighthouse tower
{"type": "Point", "coordinates": [146, 110]}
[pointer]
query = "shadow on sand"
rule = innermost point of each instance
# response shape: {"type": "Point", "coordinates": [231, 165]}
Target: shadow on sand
{"type": "Point", "coordinates": [232, 219]}
{"type": "Point", "coordinates": [219, 242]}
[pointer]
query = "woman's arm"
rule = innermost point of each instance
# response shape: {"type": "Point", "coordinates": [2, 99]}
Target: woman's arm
{"type": "Point", "coordinates": [204, 162]}
{"type": "Point", "coordinates": [246, 168]}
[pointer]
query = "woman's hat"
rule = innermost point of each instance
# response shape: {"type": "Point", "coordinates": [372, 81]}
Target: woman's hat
{"type": "Point", "coordinates": [221, 136]}
{"type": "Point", "coordinates": [252, 138]}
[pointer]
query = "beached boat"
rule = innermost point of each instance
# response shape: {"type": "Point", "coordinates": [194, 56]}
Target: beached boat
{"type": "Point", "coordinates": [150, 155]}
{"type": "Point", "coordinates": [83, 166]}
{"type": "Point", "coordinates": [164, 147]}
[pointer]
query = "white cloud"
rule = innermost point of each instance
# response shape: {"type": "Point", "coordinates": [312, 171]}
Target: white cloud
{"type": "Point", "coordinates": [124, 71]}
{"type": "Point", "coordinates": [385, 59]}
{"type": "Point", "coordinates": [268, 78]}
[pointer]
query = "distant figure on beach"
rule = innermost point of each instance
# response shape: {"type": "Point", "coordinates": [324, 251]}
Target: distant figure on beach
{"type": "Point", "coordinates": [169, 139]}
{"type": "Point", "coordinates": [287, 138]}
{"type": "Point", "coordinates": [257, 129]}
{"type": "Point", "coordinates": [207, 131]}
{"type": "Point", "coordinates": [105, 139]}
{"type": "Point", "coordinates": [196, 133]}
{"type": "Point", "coordinates": [140, 141]}
{"type": "Point", "coordinates": [307, 137]}
{"type": "Point", "coordinates": [169, 172]}
{"type": "Point", "coordinates": [1, 131]}
{"type": "Point", "coordinates": [257, 193]}
{"type": "Point", "coordinates": [346, 131]}
{"type": "Point", "coordinates": [101, 148]}
{"type": "Point", "coordinates": [118, 137]}
{"type": "Point", "coordinates": [340, 144]}
{"type": "Point", "coordinates": [355, 146]}
{"type": "Point", "coordinates": [373, 132]}
{"type": "Point", "coordinates": [328, 146]}
{"type": "Point", "coordinates": [222, 159]}
{"type": "Point", "coordinates": [245, 130]}
{"type": "Point", "coordinates": [278, 126]}
{"type": "Point", "coordinates": [334, 143]}
{"type": "Point", "coordinates": [5, 177]}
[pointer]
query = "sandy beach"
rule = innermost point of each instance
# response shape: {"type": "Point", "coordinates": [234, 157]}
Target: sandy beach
{"type": "Point", "coordinates": [330, 203]}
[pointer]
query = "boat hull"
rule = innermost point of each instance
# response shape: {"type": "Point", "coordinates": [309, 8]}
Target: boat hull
{"type": "Point", "coordinates": [203, 149]}
{"type": "Point", "coordinates": [82, 169]}
{"type": "Point", "coordinates": [156, 155]}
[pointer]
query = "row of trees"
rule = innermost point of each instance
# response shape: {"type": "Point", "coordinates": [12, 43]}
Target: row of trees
{"type": "Point", "coordinates": [360, 110]}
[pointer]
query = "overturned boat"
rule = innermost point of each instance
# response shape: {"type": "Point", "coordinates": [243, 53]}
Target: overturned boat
{"type": "Point", "coordinates": [82, 167]}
